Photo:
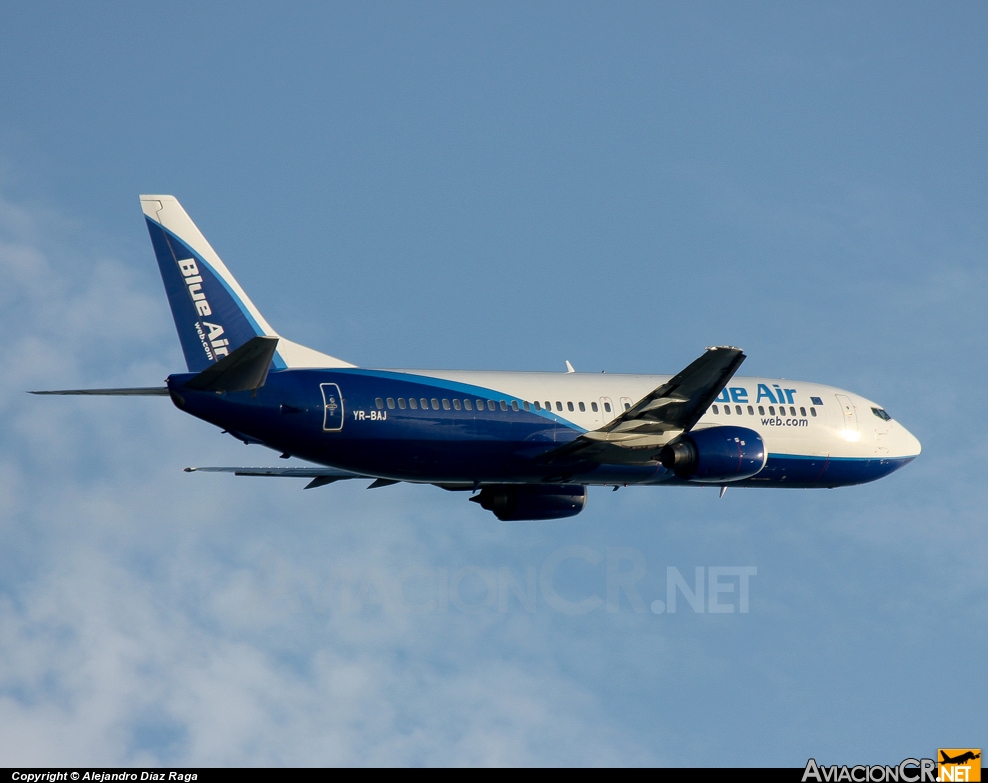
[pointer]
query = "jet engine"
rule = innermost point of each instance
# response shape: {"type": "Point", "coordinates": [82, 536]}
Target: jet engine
{"type": "Point", "coordinates": [514, 502]}
{"type": "Point", "coordinates": [715, 455]}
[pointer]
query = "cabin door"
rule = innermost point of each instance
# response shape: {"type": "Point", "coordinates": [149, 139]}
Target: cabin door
{"type": "Point", "coordinates": [332, 403]}
{"type": "Point", "coordinates": [848, 413]}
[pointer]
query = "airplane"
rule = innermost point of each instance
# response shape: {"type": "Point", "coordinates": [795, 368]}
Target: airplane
{"type": "Point", "coordinates": [526, 445]}
{"type": "Point", "coordinates": [960, 759]}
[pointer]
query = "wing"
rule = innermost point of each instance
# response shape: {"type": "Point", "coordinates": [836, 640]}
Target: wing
{"type": "Point", "coordinates": [143, 391]}
{"type": "Point", "coordinates": [320, 476]}
{"type": "Point", "coordinates": [636, 436]}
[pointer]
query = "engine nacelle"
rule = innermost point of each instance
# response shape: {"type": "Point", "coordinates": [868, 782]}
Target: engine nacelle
{"type": "Point", "coordinates": [716, 454]}
{"type": "Point", "coordinates": [514, 502]}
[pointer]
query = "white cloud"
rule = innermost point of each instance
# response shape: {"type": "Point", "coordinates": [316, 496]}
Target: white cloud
{"type": "Point", "coordinates": [137, 623]}
{"type": "Point", "coordinates": [149, 616]}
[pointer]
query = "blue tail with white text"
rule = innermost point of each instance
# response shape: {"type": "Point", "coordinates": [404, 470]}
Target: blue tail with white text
{"type": "Point", "coordinates": [213, 314]}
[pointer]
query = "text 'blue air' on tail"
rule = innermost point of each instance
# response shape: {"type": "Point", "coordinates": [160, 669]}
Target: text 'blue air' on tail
{"type": "Point", "coordinates": [213, 314]}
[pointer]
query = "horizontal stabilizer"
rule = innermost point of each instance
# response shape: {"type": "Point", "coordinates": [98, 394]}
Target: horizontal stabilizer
{"type": "Point", "coordinates": [306, 472]}
{"type": "Point", "coordinates": [140, 391]}
{"type": "Point", "coordinates": [320, 476]}
{"type": "Point", "coordinates": [243, 370]}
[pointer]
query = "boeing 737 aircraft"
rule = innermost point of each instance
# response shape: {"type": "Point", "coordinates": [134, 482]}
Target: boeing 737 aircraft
{"type": "Point", "coordinates": [527, 444]}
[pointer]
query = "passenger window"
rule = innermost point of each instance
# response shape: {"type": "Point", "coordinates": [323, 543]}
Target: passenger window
{"type": "Point", "coordinates": [504, 405]}
{"type": "Point", "coordinates": [737, 409]}
{"type": "Point", "coordinates": [435, 404]}
{"type": "Point", "coordinates": [583, 408]}
{"type": "Point", "coordinates": [480, 405]}
{"type": "Point", "coordinates": [413, 403]}
{"type": "Point", "coordinates": [751, 411]}
{"type": "Point", "coordinates": [727, 409]}
{"type": "Point", "coordinates": [559, 405]}
{"type": "Point", "coordinates": [391, 403]}
{"type": "Point", "coordinates": [627, 406]}
{"type": "Point", "coordinates": [569, 406]}
{"type": "Point", "coordinates": [538, 405]}
{"type": "Point", "coordinates": [457, 405]}
{"type": "Point", "coordinates": [593, 407]}
{"type": "Point", "coordinates": [401, 403]}
{"type": "Point", "coordinates": [761, 410]}
{"type": "Point", "coordinates": [792, 410]}
{"type": "Point", "coordinates": [716, 410]}
{"type": "Point", "coordinates": [446, 405]}
{"type": "Point", "coordinates": [813, 412]}
{"type": "Point", "coordinates": [771, 410]}
{"type": "Point", "coordinates": [526, 406]}
{"type": "Point", "coordinates": [514, 405]}
{"type": "Point", "coordinates": [491, 406]}
{"type": "Point", "coordinates": [424, 403]}
{"type": "Point", "coordinates": [802, 411]}
{"type": "Point", "coordinates": [607, 407]}
{"type": "Point", "coordinates": [548, 405]}
{"type": "Point", "coordinates": [468, 405]}
{"type": "Point", "coordinates": [379, 403]}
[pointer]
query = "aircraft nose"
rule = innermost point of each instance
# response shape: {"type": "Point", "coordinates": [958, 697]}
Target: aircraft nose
{"type": "Point", "coordinates": [907, 444]}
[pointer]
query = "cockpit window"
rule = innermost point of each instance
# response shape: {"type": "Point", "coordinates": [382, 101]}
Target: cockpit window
{"type": "Point", "coordinates": [880, 413]}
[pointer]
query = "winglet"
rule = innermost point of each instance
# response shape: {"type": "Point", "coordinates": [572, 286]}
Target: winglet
{"type": "Point", "coordinates": [569, 367]}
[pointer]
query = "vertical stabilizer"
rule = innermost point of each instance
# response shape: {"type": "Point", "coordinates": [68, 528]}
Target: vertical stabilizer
{"type": "Point", "coordinates": [213, 314]}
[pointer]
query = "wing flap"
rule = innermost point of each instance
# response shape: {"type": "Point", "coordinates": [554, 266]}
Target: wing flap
{"type": "Point", "coordinates": [660, 417]}
{"type": "Point", "coordinates": [682, 400]}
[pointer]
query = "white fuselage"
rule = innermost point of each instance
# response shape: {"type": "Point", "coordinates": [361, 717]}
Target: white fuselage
{"type": "Point", "coordinates": [841, 425]}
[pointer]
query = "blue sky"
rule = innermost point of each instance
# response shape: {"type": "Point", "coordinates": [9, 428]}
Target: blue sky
{"type": "Point", "coordinates": [506, 187]}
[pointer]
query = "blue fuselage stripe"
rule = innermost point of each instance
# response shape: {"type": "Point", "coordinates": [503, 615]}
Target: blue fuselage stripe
{"type": "Point", "coordinates": [448, 445]}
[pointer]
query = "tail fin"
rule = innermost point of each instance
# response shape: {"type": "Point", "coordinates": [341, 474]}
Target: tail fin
{"type": "Point", "coordinates": [213, 314]}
